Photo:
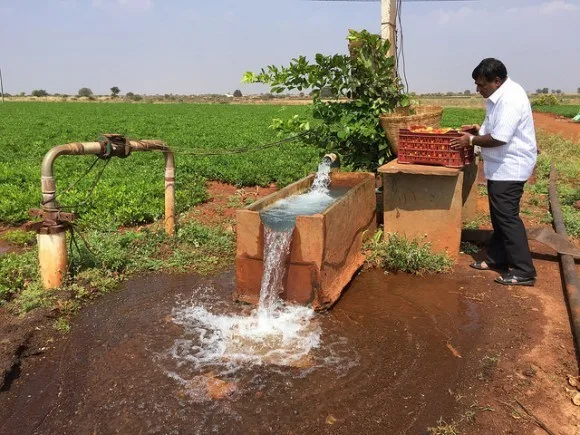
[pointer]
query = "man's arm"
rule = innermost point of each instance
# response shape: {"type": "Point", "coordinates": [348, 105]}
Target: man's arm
{"type": "Point", "coordinates": [485, 141]}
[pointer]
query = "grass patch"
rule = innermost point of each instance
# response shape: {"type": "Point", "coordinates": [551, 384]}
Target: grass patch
{"type": "Point", "coordinates": [567, 110]}
{"type": "Point", "coordinates": [567, 161]}
{"type": "Point", "coordinates": [110, 258]}
{"type": "Point", "coordinates": [396, 253]}
{"type": "Point", "coordinates": [19, 237]}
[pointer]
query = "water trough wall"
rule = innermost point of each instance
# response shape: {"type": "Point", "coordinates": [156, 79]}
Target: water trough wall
{"type": "Point", "coordinates": [325, 251]}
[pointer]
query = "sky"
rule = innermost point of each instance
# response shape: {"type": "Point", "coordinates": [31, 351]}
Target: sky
{"type": "Point", "coordinates": [198, 47]}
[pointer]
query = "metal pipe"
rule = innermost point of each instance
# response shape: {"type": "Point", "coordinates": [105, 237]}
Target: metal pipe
{"type": "Point", "coordinates": [571, 283]}
{"type": "Point", "coordinates": [52, 253]}
{"type": "Point", "coordinates": [47, 182]}
{"type": "Point", "coordinates": [156, 145]}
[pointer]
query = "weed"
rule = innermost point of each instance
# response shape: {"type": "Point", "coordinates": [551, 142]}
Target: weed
{"type": "Point", "coordinates": [479, 220]}
{"type": "Point", "coordinates": [399, 254]}
{"type": "Point", "coordinates": [19, 237]}
{"type": "Point", "coordinates": [443, 428]}
{"type": "Point", "coordinates": [235, 201]}
{"type": "Point", "coordinates": [482, 190]}
{"type": "Point", "coordinates": [469, 248]}
{"type": "Point", "coordinates": [62, 324]}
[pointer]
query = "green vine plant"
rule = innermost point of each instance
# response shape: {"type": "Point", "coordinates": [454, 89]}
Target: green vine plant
{"type": "Point", "coordinates": [348, 95]}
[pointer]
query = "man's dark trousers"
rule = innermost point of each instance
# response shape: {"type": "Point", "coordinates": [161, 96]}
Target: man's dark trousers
{"type": "Point", "coordinates": [509, 243]}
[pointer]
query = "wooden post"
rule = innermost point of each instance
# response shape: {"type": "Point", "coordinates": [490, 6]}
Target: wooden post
{"type": "Point", "coordinates": [389, 24]}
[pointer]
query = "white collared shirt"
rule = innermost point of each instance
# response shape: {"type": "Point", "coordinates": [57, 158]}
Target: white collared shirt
{"type": "Point", "coordinates": [509, 119]}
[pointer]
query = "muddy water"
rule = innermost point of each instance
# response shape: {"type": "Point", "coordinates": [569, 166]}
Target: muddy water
{"type": "Point", "coordinates": [389, 356]}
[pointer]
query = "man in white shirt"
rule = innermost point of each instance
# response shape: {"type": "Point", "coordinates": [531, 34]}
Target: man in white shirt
{"type": "Point", "coordinates": [508, 146]}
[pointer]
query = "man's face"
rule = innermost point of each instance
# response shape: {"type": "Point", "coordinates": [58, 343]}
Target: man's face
{"type": "Point", "coordinates": [486, 88]}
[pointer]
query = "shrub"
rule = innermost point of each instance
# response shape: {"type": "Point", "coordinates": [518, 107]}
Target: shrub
{"type": "Point", "coordinates": [238, 93]}
{"type": "Point", "coordinates": [115, 91]}
{"type": "Point", "coordinates": [85, 92]}
{"type": "Point", "coordinates": [546, 100]}
{"type": "Point", "coordinates": [399, 254]}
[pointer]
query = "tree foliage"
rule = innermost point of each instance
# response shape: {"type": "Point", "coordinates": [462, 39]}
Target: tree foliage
{"type": "Point", "coordinates": [85, 92]}
{"type": "Point", "coordinates": [115, 91]}
{"type": "Point", "coordinates": [237, 93]}
{"type": "Point", "coordinates": [39, 93]}
{"type": "Point", "coordinates": [356, 90]}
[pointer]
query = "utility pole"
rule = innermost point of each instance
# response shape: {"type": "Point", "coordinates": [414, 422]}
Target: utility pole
{"type": "Point", "coordinates": [1, 86]}
{"type": "Point", "coordinates": [389, 24]}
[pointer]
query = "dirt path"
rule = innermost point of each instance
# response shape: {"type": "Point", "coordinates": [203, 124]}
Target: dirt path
{"type": "Point", "coordinates": [554, 124]}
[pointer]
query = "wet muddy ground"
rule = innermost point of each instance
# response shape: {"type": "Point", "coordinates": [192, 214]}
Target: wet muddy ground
{"type": "Point", "coordinates": [398, 353]}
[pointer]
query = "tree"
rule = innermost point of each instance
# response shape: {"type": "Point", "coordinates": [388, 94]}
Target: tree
{"type": "Point", "coordinates": [578, 91]}
{"type": "Point", "coordinates": [361, 86]}
{"type": "Point", "coordinates": [545, 91]}
{"type": "Point", "coordinates": [39, 93]}
{"type": "Point", "coordinates": [115, 91]}
{"type": "Point", "coordinates": [129, 94]}
{"type": "Point", "coordinates": [467, 92]}
{"type": "Point", "coordinates": [85, 92]}
{"type": "Point", "coordinates": [237, 93]}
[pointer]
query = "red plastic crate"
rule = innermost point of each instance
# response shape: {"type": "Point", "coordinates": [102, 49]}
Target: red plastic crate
{"type": "Point", "coordinates": [432, 148]}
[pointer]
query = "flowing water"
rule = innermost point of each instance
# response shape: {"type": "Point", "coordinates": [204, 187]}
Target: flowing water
{"type": "Point", "coordinates": [273, 334]}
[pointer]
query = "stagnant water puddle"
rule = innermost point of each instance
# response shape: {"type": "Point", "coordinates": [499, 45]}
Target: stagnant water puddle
{"type": "Point", "coordinates": [383, 364]}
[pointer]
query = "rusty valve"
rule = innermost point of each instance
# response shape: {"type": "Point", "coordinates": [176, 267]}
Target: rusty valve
{"type": "Point", "coordinates": [114, 145]}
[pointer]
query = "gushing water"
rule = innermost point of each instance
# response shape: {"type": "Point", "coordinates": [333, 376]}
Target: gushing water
{"type": "Point", "coordinates": [274, 333]}
{"type": "Point", "coordinates": [276, 251]}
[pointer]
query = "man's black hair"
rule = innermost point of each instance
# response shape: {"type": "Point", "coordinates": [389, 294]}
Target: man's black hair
{"type": "Point", "coordinates": [489, 69]}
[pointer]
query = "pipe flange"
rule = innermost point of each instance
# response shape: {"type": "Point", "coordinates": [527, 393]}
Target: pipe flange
{"type": "Point", "coordinates": [53, 229]}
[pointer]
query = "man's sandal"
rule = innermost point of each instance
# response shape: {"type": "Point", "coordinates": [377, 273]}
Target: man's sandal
{"type": "Point", "coordinates": [509, 279]}
{"type": "Point", "coordinates": [484, 265]}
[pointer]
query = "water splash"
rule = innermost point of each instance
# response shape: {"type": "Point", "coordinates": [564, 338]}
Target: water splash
{"type": "Point", "coordinates": [226, 343]}
{"type": "Point", "coordinates": [275, 333]}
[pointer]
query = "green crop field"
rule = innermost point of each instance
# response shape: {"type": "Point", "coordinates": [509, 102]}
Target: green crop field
{"type": "Point", "coordinates": [130, 191]}
{"type": "Point", "coordinates": [567, 110]}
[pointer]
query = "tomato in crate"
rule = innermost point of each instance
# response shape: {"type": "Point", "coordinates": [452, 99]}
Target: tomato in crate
{"type": "Point", "coordinates": [431, 146]}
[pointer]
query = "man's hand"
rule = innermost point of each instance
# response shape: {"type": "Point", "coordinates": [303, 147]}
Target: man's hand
{"type": "Point", "coordinates": [475, 127]}
{"type": "Point", "coordinates": [460, 142]}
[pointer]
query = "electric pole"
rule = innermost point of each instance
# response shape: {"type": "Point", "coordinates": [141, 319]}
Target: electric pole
{"type": "Point", "coordinates": [1, 86]}
{"type": "Point", "coordinates": [389, 24]}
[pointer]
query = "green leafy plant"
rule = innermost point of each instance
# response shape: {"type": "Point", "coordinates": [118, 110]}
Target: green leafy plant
{"type": "Point", "coordinates": [396, 253]}
{"type": "Point", "coordinates": [348, 95]}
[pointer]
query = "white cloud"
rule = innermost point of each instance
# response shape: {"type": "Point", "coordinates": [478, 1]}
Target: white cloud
{"type": "Point", "coordinates": [547, 8]}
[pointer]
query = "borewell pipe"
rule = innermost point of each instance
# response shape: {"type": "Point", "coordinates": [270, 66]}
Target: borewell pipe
{"type": "Point", "coordinates": [51, 235]}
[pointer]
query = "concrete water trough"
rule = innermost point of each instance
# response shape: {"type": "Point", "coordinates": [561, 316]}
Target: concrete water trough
{"type": "Point", "coordinates": [325, 251]}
